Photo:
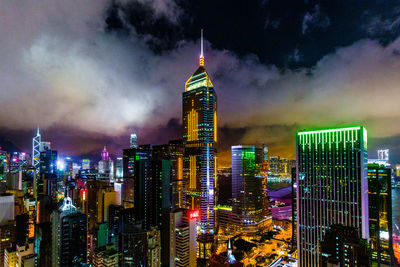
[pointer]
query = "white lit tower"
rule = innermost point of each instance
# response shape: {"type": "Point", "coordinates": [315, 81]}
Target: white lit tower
{"type": "Point", "coordinates": [36, 150]}
{"type": "Point", "coordinates": [133, 140]}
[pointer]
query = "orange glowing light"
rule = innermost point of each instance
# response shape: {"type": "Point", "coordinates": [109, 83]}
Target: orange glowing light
{"type": "Point", "coordinates": [83, 194]}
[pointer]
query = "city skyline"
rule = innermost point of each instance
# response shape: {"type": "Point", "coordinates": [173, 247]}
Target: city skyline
{"type": "Point", "coordinates": [281, 90]}
{"type": "Point", "coordinates": [279, 147]}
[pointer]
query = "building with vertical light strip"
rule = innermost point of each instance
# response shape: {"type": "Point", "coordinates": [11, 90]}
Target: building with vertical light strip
{"type": "Point", "coordinates": [199, 164]}
{"type": "Point", "coordinates": [332, 187]}
{"type": "Point", "coordinates": [36, 150]}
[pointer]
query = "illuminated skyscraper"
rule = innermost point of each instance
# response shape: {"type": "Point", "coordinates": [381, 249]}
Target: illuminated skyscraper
{"type": "Point", "coordinates": [247, 189]}
{"type": "Point", "coordinates": [3, 164]}
{"type": "Point", "coordinates": [47, 182]}
{"type": "Point", "coordinates": [199, 140]}
{"type": "Point", "coordinates": [179, 247]}
{"type": "Point", "coordinates": [106, 167]}
{"type": "Point", "coordinates": [69, 235]}
{"type": "Point", "coordinates": [380, 214]}
{"type": "Point", "coordinates": [383, 154]}
{"type": "Point", "coordinates": [176, 156]}
{"type": "Point", "coordinates": [332, 187]}
{"type": "Point", "coordinates": [36, 150]}
{"type": "Point", "coordinates": [85, 164]}
{"type": "Point", "coordinates": [133, 140]}
{"type": "Point", "coordinates": [119, 171]}
{"type": "Point", "coordinates": [44, 145]}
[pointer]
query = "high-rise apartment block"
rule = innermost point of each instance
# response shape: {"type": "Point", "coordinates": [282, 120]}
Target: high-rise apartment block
{"type": "Point", "coordinates": [332, 187]}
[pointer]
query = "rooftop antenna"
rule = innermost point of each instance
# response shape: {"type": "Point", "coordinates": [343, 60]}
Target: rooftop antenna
{"type": "Point", "coordinates": [201, 60]}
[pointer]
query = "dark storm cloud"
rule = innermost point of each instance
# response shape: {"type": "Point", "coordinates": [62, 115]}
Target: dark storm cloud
{"type": "Point", "coordinates": [92, 77]}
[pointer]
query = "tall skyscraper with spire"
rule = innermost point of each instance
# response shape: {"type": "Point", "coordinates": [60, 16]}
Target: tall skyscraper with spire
{"type": "Point", "coordinates": [200, 140]}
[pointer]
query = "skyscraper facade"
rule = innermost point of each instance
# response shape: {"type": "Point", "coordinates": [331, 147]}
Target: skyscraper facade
{"type": "Point", "coordinates": [342, 246]}
{"type": "Point", "coordinates": [144, 199]}
{"type": "Point", "coordinates": [200, 140]}
{"type": "Point", "coordinates": [128, 165]}
{"type": "Point", "coordinates": [380, 214]}
{"type": "Point", "coordinates": [247, 188]}
{"type": "Point", "coordinates": [69, 235]}
{"type": "Point", "coordinates": [180, 248]}
{"type": "Point", "coordinates": [133, 140]}
{"type": "Point", "coordinates": [36, 150]}
{"type": "Point", "coordinates": [106, 167]}
{"type": "Point", "coordinates": [332, 186]}
{"type": "Point", "coordinates": [162, 182]}
{"type": "Point", "coordinates": [176, 157]}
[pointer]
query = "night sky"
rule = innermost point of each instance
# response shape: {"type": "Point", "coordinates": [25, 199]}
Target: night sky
{"type": "Point", "coordinates": [90, 72]}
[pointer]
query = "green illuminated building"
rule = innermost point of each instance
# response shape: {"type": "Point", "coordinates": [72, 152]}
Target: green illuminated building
{"type": "Point", "coordinates": [247, 190]}
{"type": "Point", "coordinates": [332, 187]}
{"type": "Point", "coordinates": [3, 164]}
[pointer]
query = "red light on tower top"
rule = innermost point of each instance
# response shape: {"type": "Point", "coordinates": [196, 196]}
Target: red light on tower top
{"type": "Point", "coordinates": [194, 214]}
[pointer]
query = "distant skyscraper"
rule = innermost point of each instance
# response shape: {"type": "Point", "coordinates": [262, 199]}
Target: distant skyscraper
{"type": "Point", "coordinates": [128, 165]}
{"type": "Point", "coordinates": [119, 171]}
{"type": "Point", "coordinates": [332, 187]}
{"type": "Point", "coordinates": [200, 140]}
{"type": "Point", "coordinates": [383, 158]}
{"type": "Point", "coordinates": [47, 182]}
{"type": "Point", "coordinates": [140, 190]}
{"type": "Point", "coordinates": [36, 150]}
{"type": "Point", "coordinates": [380, 214]}
{"type": "Point", "coordinates": [45, 146]}
{"type": "Point", "coordinates": [144, 186]}
{"type": "Point", "coordinates": [274, 164]}
{"type": "Point", "coordinates": [265, 153]}
{"type": "Point", "coordinates": [106, 167]}
{"type": "Point", "coordinates": [97, 199]}
{"type": "Point", "coordinates": [85, 164]}
{"type": "Point", "coordinates": [3, 164]}
{"type": "Point", "coordinates": [247, 189]}
{"type": "Point", "coordinates": [48, 162]}
{"type": "Point", "coordinates": [383, 154]}
{"type": "Point", "coordinates": [133, 140]}
{"type": "Point", "coordinates": [69, 235]}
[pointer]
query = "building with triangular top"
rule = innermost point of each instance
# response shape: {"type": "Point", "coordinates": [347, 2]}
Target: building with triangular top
{"type": "Point", "coordinates": [200, 141]}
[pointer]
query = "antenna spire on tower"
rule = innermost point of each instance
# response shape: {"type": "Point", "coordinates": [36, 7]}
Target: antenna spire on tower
{"type": "Point", "coordinates": [201, 43]}
{"type": "Point", "coordinates": [201, 59]}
